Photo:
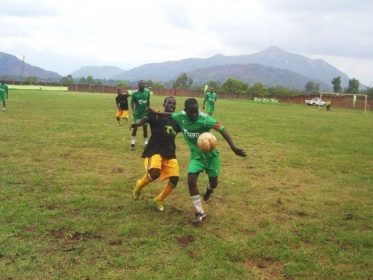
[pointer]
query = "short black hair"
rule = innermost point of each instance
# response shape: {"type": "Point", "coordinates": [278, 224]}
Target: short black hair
{"type": "Point", "coordinates": [189, 102]}
{"type": "Point", "coordinates": [167, 97]}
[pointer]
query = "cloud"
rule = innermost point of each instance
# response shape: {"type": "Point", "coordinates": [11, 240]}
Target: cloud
{"type": "Point", "coordinates": [25, 8]}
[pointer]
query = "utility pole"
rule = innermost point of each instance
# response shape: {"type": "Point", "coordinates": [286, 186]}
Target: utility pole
{"type": "Point", "coordinates": [23, 63]}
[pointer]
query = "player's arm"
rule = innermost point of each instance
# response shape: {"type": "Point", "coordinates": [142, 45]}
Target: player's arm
{"type": "Point", "coordinates": [203, 105]}
{"type": "Point", "coordinates": [132, 103]}
{"type": "Point", "coordinates": [238, 151]}
{"type": "Point", "coordinates": [140, 122]}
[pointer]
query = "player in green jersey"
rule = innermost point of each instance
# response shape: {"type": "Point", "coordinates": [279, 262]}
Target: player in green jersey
{"type": "Point", "coordinates": [140, 102]}
{"type": "Point", "coordinates": [209, 101]}
{"type": "Point", "coordinates": [193, 123]}
{"type": "Point", "coordinates": [3, 94]}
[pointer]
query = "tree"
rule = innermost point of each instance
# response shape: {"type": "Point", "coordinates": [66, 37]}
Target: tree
{"type": "Point", "coordinates": [90, 81]}
{"type": "Point", "coordinates": [214, 84]}
{"type": "Point", "coordinates": [258, 89]}
{"type": "Point", "coordinates": [312, 87]}
{"type": "Point", "coordinates": [82, 81]}
{"type": "Point", "coordinates": [353, 86]}
{"type": "Point", "coordinates": [337, 84]}
{"type": "Point", "coordinates": [158, 85]}
{"type": "Point", "coordinates": [369, 92]}
{"type": "Point", "coordinates": [122, 84]}
{"type": "Point", "coordinates": [31, 80]}
{"type": "Point", "coordinates": [68, 80]}
{"type": "Point", "coordinates": [183, 81]}
{"type": "Point", "coordinates": [235, 86]}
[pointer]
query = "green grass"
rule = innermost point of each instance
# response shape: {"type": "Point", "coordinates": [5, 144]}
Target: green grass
{"type": "Point", "coordinates": [298, 207]}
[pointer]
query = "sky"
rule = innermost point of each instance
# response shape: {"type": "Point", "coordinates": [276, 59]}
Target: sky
{"type": "Point", "coordinates": [63, 36]}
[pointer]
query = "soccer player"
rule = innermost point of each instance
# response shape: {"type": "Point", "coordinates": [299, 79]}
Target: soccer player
{"type": "Point", "coordinates": [3, 94]}
{"type": "Point", "coordinates": [122, 105]}
{"type": "Point", "coordinates": [193, 123]}
{"type": "Point", "coordinates": [210, 100]}
{"type": "Point", "coordinates": [140, 102]}
{"type": "Point", "coordinates": [159, 156]}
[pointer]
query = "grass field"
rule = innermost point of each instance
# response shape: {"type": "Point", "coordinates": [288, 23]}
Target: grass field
{"type": "Point", "coordinates": [298, 207]}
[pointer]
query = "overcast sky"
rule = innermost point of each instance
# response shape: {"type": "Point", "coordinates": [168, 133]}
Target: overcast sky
{"type": "Point", "coordinates": [63, 35]}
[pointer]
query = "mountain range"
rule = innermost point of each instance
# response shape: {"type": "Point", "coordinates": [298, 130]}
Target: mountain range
{"type": "Point", "coordinates": [98, 72]}
{"type": "Point", "coordinates": [12, 68]}
{"type": "Point", "coordinates": [272, 67]}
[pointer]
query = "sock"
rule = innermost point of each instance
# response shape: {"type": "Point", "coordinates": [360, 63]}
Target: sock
{"type": "Point", "coordinates": [165, 192]}
{"type": "Point", "coordinates": [145, 180]}
{"type": "Point", "coordinates": [133, 140]}
{"type": "Point", "coordinates": [196, 199]}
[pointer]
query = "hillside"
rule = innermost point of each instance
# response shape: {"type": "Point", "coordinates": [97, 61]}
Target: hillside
{"type": "Point", "coordinates": [98, 72]}
{"type": "Point", "coordinates": [252, 73]}
{"type": "Point", "coordinates": [312, 69]}
{"type": "Point", "coordinates": [11, 68]}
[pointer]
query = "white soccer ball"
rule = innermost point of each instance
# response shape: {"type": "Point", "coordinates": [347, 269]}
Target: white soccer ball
{"type": "Point", "coordinates": [207, 142]}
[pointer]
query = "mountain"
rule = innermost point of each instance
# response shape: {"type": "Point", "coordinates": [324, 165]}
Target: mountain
{"type": "Point", "coordinates": [99, 72]}
{"type": "Point", "coordinates": [11, 68]}
{"type": "Point", "coordinates": [313, 69]}
{"type": "Point", "coordinates": [252, 73]}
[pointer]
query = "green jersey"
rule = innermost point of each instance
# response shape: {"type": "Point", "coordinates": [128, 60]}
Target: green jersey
{"type": "Point", "coordinates": [210, 99]}
{"type": "Point", "coordinates": [192, 130]}
{"type": "Point", "coordinates": [140, 101]}
{"type": "Point", "coordinates": [4, 87]}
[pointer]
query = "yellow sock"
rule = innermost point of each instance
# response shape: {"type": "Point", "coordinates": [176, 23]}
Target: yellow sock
{"type": "Point", "coordinates": [165, 192]}
{"type": "Point", "coordinates": [145, 180]}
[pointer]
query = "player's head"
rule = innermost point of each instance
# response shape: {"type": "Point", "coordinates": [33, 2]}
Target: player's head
{"type": "Point", "coordinates": [191, 109]}
{"type": "Point", "coordinates": [169, 104]}
{"type": "Point", "coordinates": [119, 91]}
{"type": "Point", "coordinates": [141, 85]}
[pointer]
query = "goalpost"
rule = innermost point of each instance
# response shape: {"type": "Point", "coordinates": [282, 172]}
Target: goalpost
{"type": "Point", "coordinates": [337, 94]}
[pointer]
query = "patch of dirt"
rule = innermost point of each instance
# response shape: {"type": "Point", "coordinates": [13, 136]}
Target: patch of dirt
{"type": "Point", "coordinates": [117, 170]}
{"type": "Point", "coordinates": [116, 242]}
{"type": "Point", "coordinates": [31, 228]}
{"type": "Point", "coordinates": [266, 269]}
{"type": "Point", "coordinates": [57, 234]}
{"type": "Point", "coordinates": [77, 236]}
{"type": "Point", "coordinates": [185, 241]}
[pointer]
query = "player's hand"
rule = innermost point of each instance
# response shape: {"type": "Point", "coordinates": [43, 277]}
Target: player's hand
{"type": "Point", "coordinates": [239, 152]}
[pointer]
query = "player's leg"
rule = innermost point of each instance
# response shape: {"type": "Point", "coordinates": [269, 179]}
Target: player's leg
{"type": "Point", "coordinates": [170, 170]}
{"type": "Point", "coordinates": [213, 170]}
{"type": "Point", "coordinates": [133, 137]}
{"type": "Point", "coordinates": [119, 113]}
{"type": "Point", "coordinates": [196, 198]}
{"type": "Point", "coordinates": [145, 131]}
{"type": "Point", "coordinates": [152, 172]}
{"type": "Point", "coordinates": [213, 183]}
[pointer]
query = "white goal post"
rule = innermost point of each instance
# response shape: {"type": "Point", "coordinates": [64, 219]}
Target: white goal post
{"type": "Point", "coordinates": [347, 94]}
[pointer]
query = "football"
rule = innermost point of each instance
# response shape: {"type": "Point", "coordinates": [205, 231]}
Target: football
{"type": "Point", "coordinates": [207, 142]}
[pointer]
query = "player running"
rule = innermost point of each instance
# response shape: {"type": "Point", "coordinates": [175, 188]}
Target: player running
{"type": "Point", "coordinates": [140, 102]}
{"type": "Point", "coordinates": [122, 105]}
{"type": "Point", "coordinates": [3, 94]}
{"type": "Point", "coordinates": [159, 156]}
{"type": "Point", "coordinates": [210, 100]}
{"type": "Point", "coordinates": [193, 123]}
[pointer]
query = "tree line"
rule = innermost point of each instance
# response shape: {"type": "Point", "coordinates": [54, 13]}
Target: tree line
{"type": "Point", "coordinates": [231, 85]}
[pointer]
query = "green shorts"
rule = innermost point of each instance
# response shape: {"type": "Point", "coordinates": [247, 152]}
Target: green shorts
{"type": "Point", "coordinates": [210, 108]}
{"type": "Point", "coordinates": [211, 165]}
{"type": "Point", "coordinates": [137, 118]}
{"type": "Point", "coordinates": [2, 95]}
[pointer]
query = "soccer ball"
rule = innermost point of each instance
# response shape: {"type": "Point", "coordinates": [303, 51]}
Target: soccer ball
{"type": "Point", "coordinates": [207, 142]}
